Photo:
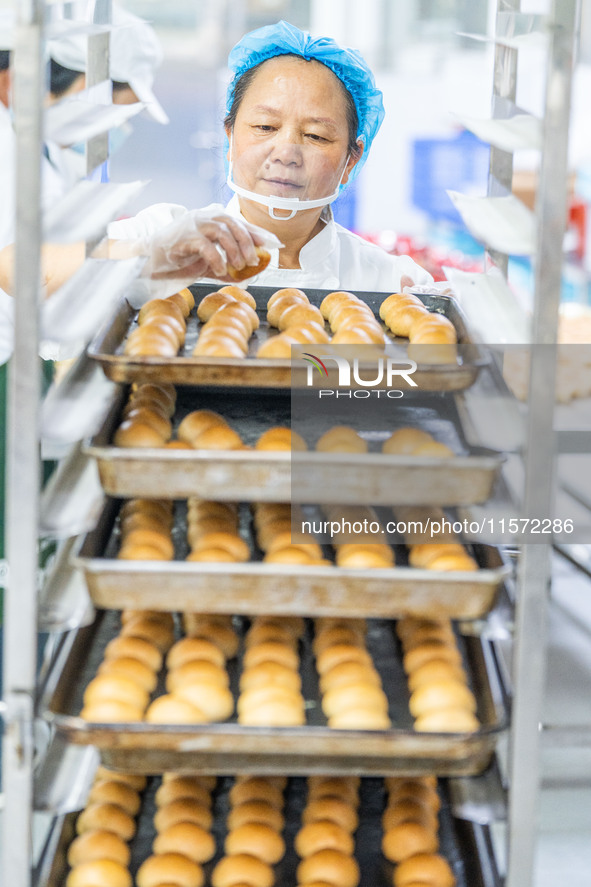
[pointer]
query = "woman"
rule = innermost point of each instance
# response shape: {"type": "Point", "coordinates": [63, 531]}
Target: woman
{"type": "Point", "coordinates": [301, 116]}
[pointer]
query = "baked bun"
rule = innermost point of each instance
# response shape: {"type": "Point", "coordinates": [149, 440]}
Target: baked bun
{"type": "Point", "coordinates": [136, 648]}
{"type": "Point", "coordinates": [447, 720]}
{"type": "Point", "coordinates": [99, 873]}
{"type": "Point", "coordinates": [336, 787]}
{"type": "Point", "coordinates": [408, 839]}
{"type": "Point", "coordinates": [107, 817]}
{"type": "Point", "coordinates": [296, 315]}
{"type": "Point", "coordinates": [267, 674]}
{"type": "Point", "coordinates": [242, 868]}
{"type": "Point", "coordinates": [405, 441]}
{"type": "Point", "coordinates": [280, 439]}
{"type": "Point", "coordinates": [218, 437]}
{"type": "Point", "coordinates": [332, 809]}
{"type": "Point", "coordinates": [349, 673]}
{"type": "Point", "coordinates": [109, 791]}
{"type": "Point", "coordinates": [169, 868]}
{"type": "Point", "coordinates": [196, 422]}
{"type": "Point", "coordinates": [264, 258]}
{"type": "Point", "coordinates": [215, 701]}
{"type": "Point", "coordinates": [135, 780]}
{"type": "Point", "coordinates": [111, 711]}
{"type": "Point", "coordinates": [195, 671]}
{"type": "Point", "coordinates": [138, 434]}
{"type": "Point", "coordinates": [160, 634]}
{"type": "Point", "coordinates": [98, 844]}
{"type": "Point", "coordinates": [181, 787]}
{"type": "Point", "coordinates": [241, 295]}
{"type": "Point", "coordinates": [169, 709]}
{"type": "Point", "coordinates": [331, 866]}
{"type": "Point", "coordinates": [430, 650]}
{"type": "Point", "coordinates": [211, 303]}
{"type": "Point", "coordinates": [361, 694]}
{"type": "Point", "coordinates": [183, 810]}
{"type": "Point", "coordinates": [133, 669]}
{"type": "Point", "coordinates": [323, 835]}
{"type": "Point", "coordinates": [115, 688]}
{"type": "Point", "coordinates": [256, 789]}
{"type": "Point", "coordinates": [276, 712]}
{"type": "Point", "coordinates": [341, 438]}
{"type": "Point", "coordinates": [255, 812]}
{"type": "Point", "coordinates": [409, 810]}
{"type": "Point", "coordinates": [189, 649]}
{"type": "Point", "coordinates": [433, 671]}
{"type": "Point", "coordinates": [271, 651]}
{"type": "Point", "coordinates": [341, 653]}
{"type": "Point", "coordinates": [441, 694]}
{"type": "Point", "coordinates": [285, 299]}
{"type": "Point", "coordinates": [417, 791]}
{"type": "Point", "coordinates": [188, 839]}
{"type": "Point", "coordinates": [427, 868]}
{"type": "Point", "coordinates": [256, 839]}
{"type": "Point", "coordinates": [360, 718]}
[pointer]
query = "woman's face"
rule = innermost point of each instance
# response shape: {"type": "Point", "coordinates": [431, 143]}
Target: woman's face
{"type": "Point", "coordinates": [291, 136]}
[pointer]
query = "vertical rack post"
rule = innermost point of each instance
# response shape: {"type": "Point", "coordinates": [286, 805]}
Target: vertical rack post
{"type": "Point", "coordinates": [535, 568]}
{"type": "Point", "coordinates": [500, 174]}
{"type": "Point", "coordinates": [97, 71]}
{"type": "Point", "coordinates": [23, 473]}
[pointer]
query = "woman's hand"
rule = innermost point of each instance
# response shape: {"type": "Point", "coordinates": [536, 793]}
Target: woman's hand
{"type": "Point", "coordinates": [194, 247]}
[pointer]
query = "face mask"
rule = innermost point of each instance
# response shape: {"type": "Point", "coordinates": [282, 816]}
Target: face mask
{"type": "Point", "coordinates": [292, 204]}
{"type": "Point", "coordinates": [118, 135]}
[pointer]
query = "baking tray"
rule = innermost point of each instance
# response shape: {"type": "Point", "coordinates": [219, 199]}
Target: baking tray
{"type": "Point", "coordinates": [466, 846]}
{"type": "Point", "coordinates": [257, 587]}
{"type": "Point", "coordinates": [372, 478]}
{"type": "Point", "coordinates": [253, 372]}
{"type": "Point", "coordinates": [229, 747]}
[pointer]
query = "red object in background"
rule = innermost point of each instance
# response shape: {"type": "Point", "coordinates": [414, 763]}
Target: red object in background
{"type": "Point", "coordinates": [432, 259]}
{"type": "Point", "coordinates": [577, 220]}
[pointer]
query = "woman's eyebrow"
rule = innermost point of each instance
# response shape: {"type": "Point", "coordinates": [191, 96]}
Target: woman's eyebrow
{"type": "Point", "coordinates": [323, 121]}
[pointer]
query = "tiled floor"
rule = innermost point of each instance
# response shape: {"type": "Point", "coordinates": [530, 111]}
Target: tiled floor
{"type": "Point", "coordinates": [563, 856]}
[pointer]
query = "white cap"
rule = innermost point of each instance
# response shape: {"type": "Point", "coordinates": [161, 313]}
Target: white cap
{"type": "Point", "coordinates": [6, 29]}
{"type": "Point", "coordinates": [135, 54]}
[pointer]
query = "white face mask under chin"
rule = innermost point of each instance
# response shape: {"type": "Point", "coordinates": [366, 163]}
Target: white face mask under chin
{"type": "Point", "coordinates": [291, 204]}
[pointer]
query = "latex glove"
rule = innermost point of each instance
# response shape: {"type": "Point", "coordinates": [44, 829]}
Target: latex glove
{"type": "Point", "coordinates": [199, 244]}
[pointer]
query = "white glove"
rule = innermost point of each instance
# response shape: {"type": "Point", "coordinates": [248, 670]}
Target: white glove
{"type": "Point", "coordinates": [201, 243]}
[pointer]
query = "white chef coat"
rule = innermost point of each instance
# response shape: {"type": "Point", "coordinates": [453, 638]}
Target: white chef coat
{"type": "Point", "coordinates": [335, 257]}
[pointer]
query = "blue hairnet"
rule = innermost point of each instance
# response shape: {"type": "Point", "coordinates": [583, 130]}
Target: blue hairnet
{"type": "Point", "coordinates": [348, 65]}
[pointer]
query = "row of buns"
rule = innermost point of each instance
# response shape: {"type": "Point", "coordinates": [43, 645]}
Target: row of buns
{"type": "Point", "coordinates": [352, 693]}
{"type": "Point", "coordinates": [213, 533]}
{"type": "Point", "coordinates": [359, 543]}
{"type": "Point", "coordinates": [162, 326]}
{"type": "Point", "coordinates": [229, 320]}
{"type": "Point", "coordinates": [145, 527]}
{"type": "Point", "coordinates": [273, 528]}
{"type": "Point", "coordinates": [411, 833]}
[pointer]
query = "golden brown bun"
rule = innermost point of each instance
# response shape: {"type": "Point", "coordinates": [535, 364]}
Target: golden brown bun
{"type": "Point", "coordinates": [161, 635]}
{"type": "Point", "coordinates": [151, 344]}
{"type": "Point", "coordinates": [211, 303]}
{"type": "Point", "coordinates": [169, 868]}
{"type": "Point", "coordinates": [220, 346]}
{"type": "Point", "coordinates": [108, 791]}
{"type": "Point", "coordinates": [255, 811]}
{"type": "Point", "coordinates": [337, 634]}
{"type": "Point", "coordinates": [133, 669]}
{"type": "Point", "coordinates": [397, 300]}
{"type": "Point", "coordinates": [158, 508]}
{"type": "Point", "coordinates": [427, 868]}
{"type": "Point", "coordinates": [286, 300]}
{"type": "Point", "coordinates": [241, 295]}
{"type": "Point", "coordinates": [109, 817]}
{"type": "Point", "coordinates": [169, 709]}
{"type": "Point", "coordinates": [419, 655]}
{"type": "Point", "coordinates": [415, 791]}
{"type": "Point", "coordinates": [159, 306]}
{"type": "Point", "coordinates": [218, 438]}
{"type": "Point", "coordinates": [182, 302]}
{"type": "Point", "coordinates": [339, 437]}
{"type": "Point", "coordinates": [359, 695]}
{"type": "Point", "coordinates": [434, 450]}
{"type": "Point", "coordinates": [393, 782]}
{"type": "Point", "coordinates": [183, 810]}
{"type": "Point", "coordinates": [281, 439]}
{"type": "Point", "coordinates": [195, 671]}
{"type": "Point", "coordinates": [405, 441]}
{"type": "Point", "coordinates": [98, 844]}
{"type": "Point", "coordinates": [269, 631]}
{"type": "Point", "coordinates": [271, 651]}
{"type": "Point", "coordinates": [434, 670]}
{"type": "Point", "coordinates": [267, 674]}
{"type": "Point", "coordinates": [274, 713]}
{"type": "Point", "coordinates": [136, 648]}
{"type": "Point", "coordinates": [215, 701]}
{"type": "Point", "coordinates": [447, 720]}
{"type": "Point", "coordinates": [238, 314]}
{"type": "Point", "coordinates": [341, 653]}
{"type": "Point", "coordinates": [349, 673]}
{"type": "Point", "coordinates": [364, 557]}
{"type": "Point", "coordinates": [433, 328]}
{"type": "Point", "coordinates": [223, 636]}
{"type": "Point", "coordinates": [135, 780]}
{"type": "Point", "coordinates": [189, 649]}
{"type": "Point", "coordinates": [230, 542]}
{"type": "Point", "coordinates": [137, 434]}
{"type": "Point", "coordinates": [295, 315]}
{"type": "Point", "coordinates": [336, 787]}
{"type": "Point", "coordinates": [333, 809]}
{"type": "Point", "coordinates": [409, 810]}
{"type": "Point", "coordinates": [211, 556]}
{"type": "Point", "coordinates": [187, 295]}
{"type": "Point", "coordinates": [350, 312]}
{"type": "Point", "coordinates": [277, 347]}
{"type": "Point", "coordinates": [187, 838]}
{"type": "Point", "coordinates": [463, 563]}
{"type": "Point", "coordinates": [441, 694]}
{"type": "Point", "coordinates": [264, 258]}
{"type": "Point", "coordinates": [157, 539]}
{"type": "Point", "coordinates": [256, 789]}
{"type": "Point", "coordinates": [181, 787]}
{"type": "Point", "coordinates": [99, 873]}
{"type": "Point", "coordinates": [286, 291]}
{"type": "Point", "coordinates": [330, 302]}
{"type": "Point", "coordinates": [251, 700]}
{"type": "Point", "coordinates": [166, 397]}
{"type": "Point", "coordinates": [242, 868]}
{"type": "Point", "coordinates": [170, 326]}
{"type": "Point", "coordinates": [257, 839]}
{"type": "Point", "coordinates": [360, 718]}
{"type": "Point", "coordinates": [309, 332]}
{"type": "Point", "coordinates": [196, 422]}
{"type": "Point", "coordinates": [402, 318]}
{"type": "Point", "coordinates": [115, 688]}
{"type": "Point", "coordinates": [149, 416]}
{"type": "Point", "coordinates": [323, 835]}
{"type": "Point", "coordinates": [331, 866]}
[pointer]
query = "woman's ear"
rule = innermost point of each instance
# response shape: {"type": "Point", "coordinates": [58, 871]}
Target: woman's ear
{"type": "Point", "coordinates": [352, 161]}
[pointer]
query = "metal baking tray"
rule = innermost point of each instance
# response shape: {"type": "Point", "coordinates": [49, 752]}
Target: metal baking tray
{"type": "Point", "coordinates": [253, 372]}
{"type": "Point", "coordinates": [372, 478]}
{"type": "Point", "coordinates": [229, 747]}
{"type": "Point", "coordinates": [467, 847]}
{"type": "Point", "coordinates": [257, 587]}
